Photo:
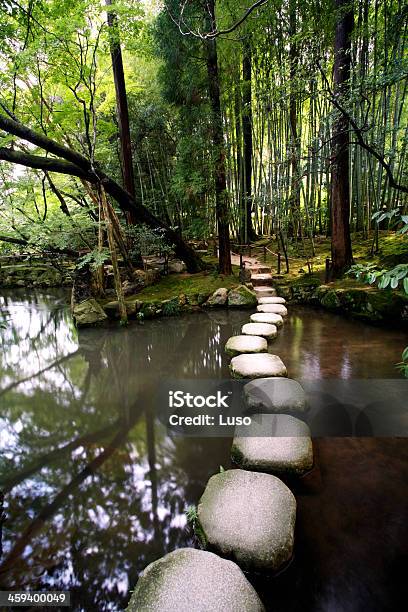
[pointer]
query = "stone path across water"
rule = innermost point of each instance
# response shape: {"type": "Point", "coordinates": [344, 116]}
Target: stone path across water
{"type": "Point", "coordinates": [245, 514]}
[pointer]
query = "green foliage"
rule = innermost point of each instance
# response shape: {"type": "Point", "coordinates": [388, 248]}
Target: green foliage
{"type": "Point", "coordinates": [368, 273]}
{"type": "Point", "coordinates": [147, 241]}
{"type": "Point", "coordinates": [403, 365]}
{"type": "Point", "coordinates": [94, 259]}
{"type": "Point", "coordinates": [192, 518]}
{"type": "Point", "coordinates": [396, 277]}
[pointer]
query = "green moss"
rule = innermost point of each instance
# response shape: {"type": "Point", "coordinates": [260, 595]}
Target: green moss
{"type": "Point", "coordinates": [201, 285]}
{"type": "Point", "coordinates": [307, 279]}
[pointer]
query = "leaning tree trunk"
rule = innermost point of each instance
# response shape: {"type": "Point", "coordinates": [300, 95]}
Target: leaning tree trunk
{"type": "Point", "coordinates": [341, 251]}
{"type": "Point", "coordinates": [249, 231]}
{"type": "Point", "coordinates": [221, 199]}
{"type": "Point", "coordinates": [72, 163]}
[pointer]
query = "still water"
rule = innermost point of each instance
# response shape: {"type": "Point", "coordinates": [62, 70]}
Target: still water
{"type": "Point", "coordinates": [95, 488]}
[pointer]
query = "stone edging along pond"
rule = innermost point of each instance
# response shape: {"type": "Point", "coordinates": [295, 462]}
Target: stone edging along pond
{"type": "Point", "coordinates": [362, 302]}
{"type": "Point", "coordinates": [92, 312]}
{"type": "Point", "coordinates": [347, 297]}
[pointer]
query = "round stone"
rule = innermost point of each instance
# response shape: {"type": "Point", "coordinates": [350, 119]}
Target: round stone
{"type": "Point", "coordinates": [245, 344]}
{"type": "Point", "coordinates": [249, 517]}
{"type": "Point", "coordinates": [271, 300]}
{"type": "Point", "coordinates": [260, 329]}
{"type": "Point", "coordinates": [275, 395]}
{"type": "Point", "coordinates": [189, 579]}
{"type": "Point", "coordinates": [279, 309]}
{"type": "Point", "coordinates": [274, 443]}
{"type": "Point", "coordinates": [267, 317]}
{"type": "Point", "coordinates": [258, 365]}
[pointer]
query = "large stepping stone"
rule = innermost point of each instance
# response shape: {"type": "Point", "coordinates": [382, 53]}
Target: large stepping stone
{"type": "Point", "coordinates": [266, 330]}
{"type": "Point", "coordinates": [249, 517]}
{"type": "Point", "coordinates": [245, 344]}
{"type": "Point", "coordinates": [275, 443]}
{"type": "Point", "coordinates": [271, 300]}
{"type": "Point", "coordinates": [279, 309]}
{"type": "Point", "coordinates": [275, 395]}
{"type": "Point", "coordinates": [267, 317]}
{"type": "Point", "coordinates": [265, 291]}
{"type": "Point", "coordinates": [257, 365]}
{"type": "Point", "coordinates": [190, 580]}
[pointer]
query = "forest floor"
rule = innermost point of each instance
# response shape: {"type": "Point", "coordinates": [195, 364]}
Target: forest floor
{"type": "Point", "coordinates": [392, 249]}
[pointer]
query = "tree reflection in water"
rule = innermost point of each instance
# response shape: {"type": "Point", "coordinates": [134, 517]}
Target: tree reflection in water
{"type": "Point", "coordinates": [94, 487]}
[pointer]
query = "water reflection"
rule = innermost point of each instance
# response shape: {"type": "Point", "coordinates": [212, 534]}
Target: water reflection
{"type": "Point", "coordinates": [95, 488]}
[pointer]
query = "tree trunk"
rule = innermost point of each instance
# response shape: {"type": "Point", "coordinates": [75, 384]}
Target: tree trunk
{"type": "Point", "coordinates": [294, 227]}
{"type": "Point", "coordinates": [75, 164]}
{"type": "Point", "coordinates": [341, 251]}
{"type": "Point", "coordinates": [221, 199]}
{"type": "Point", "coordinates": [249, 233]}
{"type": "Point", "coordinates": [114, 257]}
{"type": "Point", "coordinates": [122, 110]}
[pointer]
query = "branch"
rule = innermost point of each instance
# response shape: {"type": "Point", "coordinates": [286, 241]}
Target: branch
{"type": "Point", "coordinates": [39, 162]}
{"type": "Point", "coordinates": [215, 33]}
{"type": "Point", "coordinates": [44, 142]}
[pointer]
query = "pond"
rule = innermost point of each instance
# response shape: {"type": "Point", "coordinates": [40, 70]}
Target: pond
{"type": "Point", "coordinates": [96, 488]}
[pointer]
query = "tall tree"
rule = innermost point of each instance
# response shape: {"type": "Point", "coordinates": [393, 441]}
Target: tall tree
{"type": "Point", "coordinates": [293, 110]}
{"type": "Point", "coordinates": [122, 110]}
{"type": "Point", "coordinates": [221, 196]}
{"type": "Point", "coordinates": [341, 251]}
{"type": "Point", "coordinates": [249, 232]}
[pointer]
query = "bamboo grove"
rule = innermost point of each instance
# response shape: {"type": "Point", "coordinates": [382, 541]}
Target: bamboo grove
{"type": "Point", "coordinates": [201, 119]}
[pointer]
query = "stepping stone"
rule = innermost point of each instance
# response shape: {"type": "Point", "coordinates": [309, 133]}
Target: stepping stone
{"type": "Point", "coordinates": [258, 365]}
{"type": "Point", "coordinates": [274, 443]}
{"type": "Point", "coordinates": [274, 308]}
{"type": "Point", "coordinates": [249, 517]}
{"type": "Point", "coordinates": [260, 329]}
{"type": "Point", "coordinates": [189, 579]}
{"type": "Point", "coordinates": [271, 300]}
{"type": "Point", "coordinates": [245, 344]}
{"type": "Point", "coordinates": [265, 291]}
{"type": "Point", "coordinates": [261, 279]}
{"type": "Point", "coordinates": [275, 395]}
{"type": "Point", "coordinates": [267, 317]}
